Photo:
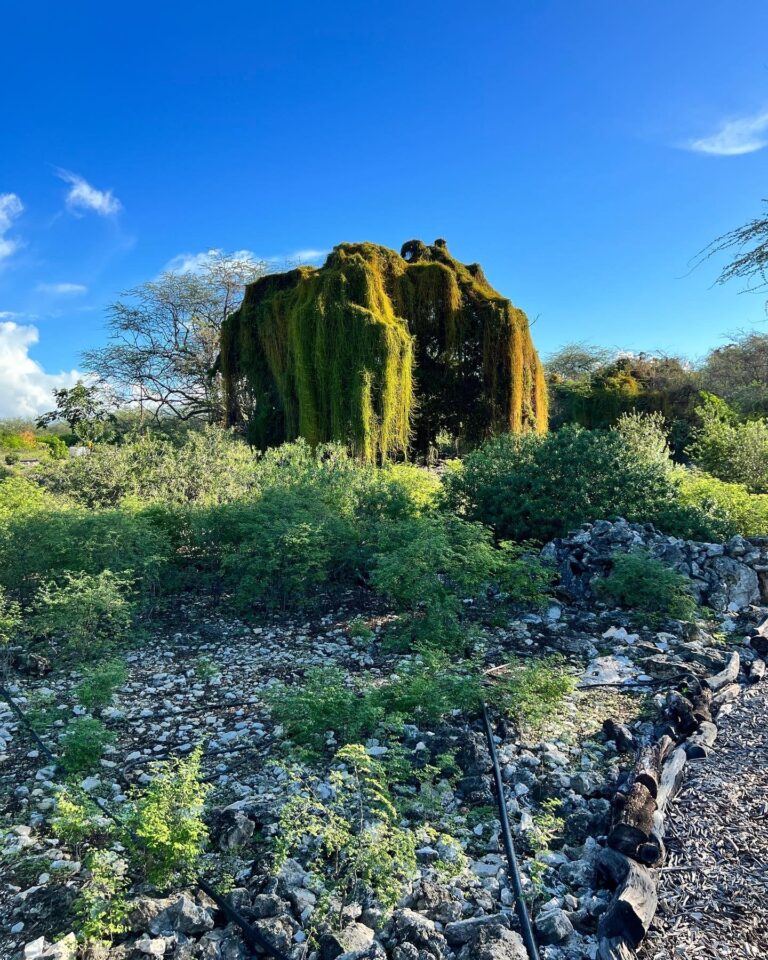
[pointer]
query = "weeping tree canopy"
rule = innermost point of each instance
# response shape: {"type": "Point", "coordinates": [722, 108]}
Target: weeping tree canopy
{"type": "Point", "coordinates": [383, 351]}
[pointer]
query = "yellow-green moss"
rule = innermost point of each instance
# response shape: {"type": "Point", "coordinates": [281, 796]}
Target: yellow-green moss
{"type": "Point", "coordinates": [382, 351]}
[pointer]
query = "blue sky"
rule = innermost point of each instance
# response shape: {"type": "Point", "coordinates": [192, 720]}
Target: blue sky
{"type": "Point", "coordinates": [583, 152]}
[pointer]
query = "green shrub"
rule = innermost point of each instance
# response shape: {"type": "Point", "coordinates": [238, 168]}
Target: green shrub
{"type": "Point", "coordinates": [101, 905]}
{"type": "Point", "coordinates": [539, 487]}
{"type": "Point", "coordinates": [85, 614]}
{"type": "Point", "coordinates": [99, 683]}
{"type": "Point", "coordinates": [351, 843]}
{"type": "Point", "coordinates": [647, 587]}
{"type": "Point", "coordinates": [11, 621]}
{"type": "Point", "coordinates": [729, 507]}
{"type": "Point", "coordinates": [733, 451]}
{"type": "Point", "coordinates": [166, 816]}
{"type": "Point", "coordinates": [324, 702]}
{"type": "Point", "coordinates": [82, 745]}
{"type": "Point", "coordinates": [78, 819]}
{"type": "Point", "coordinates": [531, 692]}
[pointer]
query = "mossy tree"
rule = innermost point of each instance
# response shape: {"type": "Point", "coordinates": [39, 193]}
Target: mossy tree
{"type": "Point", "coordinates": [383, 351]}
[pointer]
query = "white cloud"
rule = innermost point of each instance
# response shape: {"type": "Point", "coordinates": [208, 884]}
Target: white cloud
{"type": "Point", "coordinates": [25, 388]}
{"type": "Point", "coordinates": [62, 288]}
{"type": "Point", "coordinates": [82, 196]}
{"type": "Point", "coordinates": [194, 262]}
{"type": "Point", "coordinates": [735, 137]}
{"type": "Point", "coordinates": [10, 208]}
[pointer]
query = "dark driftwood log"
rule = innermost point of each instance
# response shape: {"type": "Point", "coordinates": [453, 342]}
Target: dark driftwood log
{"type": "Point", "coordinates": [726, 695]}
{"type": "Point", "coordinates": [671, 779]}
{"type": "Point", "coordinates": [630, 912]}
{"type": "Point", "coordinates": [635, 822]}
{"type": "Point", "coordinates": [680, 710]}
{"type": "Point", "coordinates": [759, 639]}
{"type": "Point", "coordinates": [699, 745]}
{"type": "Point", "coordinates": [616, 949]}
{"type": "Point", "coordinates": [727, 675]}
{"type": "Point", "coordinates": [702, 704]}
{"type": "Point", "coordinates": [757, 671]}
{"type": "Point", "coordinates": [648, 767]}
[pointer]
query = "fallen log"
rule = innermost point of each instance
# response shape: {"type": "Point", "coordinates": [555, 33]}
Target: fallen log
{"type": "Point", "coordinates": [727, 675]}
{"type": "Point", "coordinates": [757, 671]}
{"type": "Point", "coordinates": [680, 710]}
{"type": "Point", "coordinates": [648, 769]}
{"type": "Point", "coordinates": [726, 695]}
{"type": "Point", "coordinates": [671, 779]}
{"type": "Point", "coordinates": [615, 949]}
{"type": "Point", "coordinates": [631, 910]}
{"type": "Point", "coordinates": [699, 745]}
{"type": "Point", "coordinates": [702, 704]}
{"type": "Point", "coordinates": [635, 822]}
{"type": "Point", "coordinates": [759, 639]}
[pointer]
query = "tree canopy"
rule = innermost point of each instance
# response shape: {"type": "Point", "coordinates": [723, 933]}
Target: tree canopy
{"type": "Point", "coordinates": [383, 351]}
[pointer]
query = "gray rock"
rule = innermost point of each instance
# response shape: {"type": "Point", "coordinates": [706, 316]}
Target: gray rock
{"type": "Point", "coordinates": [552, 924]}
{"type": "Point", "coordinates": [374, 951]}
{"type": "Point", "coordinates": [182, 916]}
{"type": "Point", "coordinates": [495, 943]}
{"type": "Point", "coordinates": [463, 931]}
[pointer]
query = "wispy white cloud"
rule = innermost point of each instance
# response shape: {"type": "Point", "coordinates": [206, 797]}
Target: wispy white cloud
{"type": "Point", "coordinates": [195, 262]}
{"type": "Point", "coordinates": [10, 208]}
{"type": "Point", "coordinates": [735, 137]}
{"type": "Point", "coordinates": [64, 289]}
{"type": "Point", "coordinates": [82, 196]}
{"type": "Point", "coordinates": [25, 387]}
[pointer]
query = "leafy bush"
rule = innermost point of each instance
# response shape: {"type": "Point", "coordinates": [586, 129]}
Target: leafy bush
{"type": "Point", "coordinates": [324, 702]}
{"type": "Point", "coordinates": [647, 587]}
{"type": "Point", "coordinates": [351, 842]}
{"type": "Point", "coordinates": [77, 818]}
{"type": "Point", "coordinates": [85, 614]}
{"type": "Point", "coordinates": [729, 507]}
{"type": "Point", "coordinates": [99, 684]}
{"type": "Point", "coordinates": [101, 905]}
{"type": "Point", "coordinates": [10, 619]}
{"type": "Point", "coordinates": [532, 691]}
{"type": "Point", "coordinates": [539, 487]}
{"type": "Point", "coordinates": [733, 451]}
{"type": "Point", "coordinates": [82, 745]}
{"type": "Point", "coordinates": [167, 819]}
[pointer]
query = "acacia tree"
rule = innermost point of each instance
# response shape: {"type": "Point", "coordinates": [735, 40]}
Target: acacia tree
{"type": "Point", "coordinates": [164, 338]}
{"type": "Point", "coordinates": [748, 246]}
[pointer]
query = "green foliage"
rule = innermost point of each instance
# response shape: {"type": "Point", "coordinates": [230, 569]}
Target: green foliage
{"type": "Point", "coordinates": [209, 466]}
{"type": "Point", "coordinates": [324, 702]}
{"type": "Point", "coordinates": [358, 629]}
{"type": "Point", "coordinates": [532, 691]}
{"type": "Point", "coordinates": [647, 587]}
{"type": "Point", "coordinates": [205, 668]}
{"type": "Point", "coordinates": [167, 818]}
{"type": "Point", "coordinates": [101, 905]}
{"type": "Point", "coordinates": [330, 353]}
{"type": "Point", "coordinates": [85, 409]}
{"type": "Point", "coordinates": [733, 451]}
{"type": "Point", "coordinates": [84, 614]}
{"type": "Point", "coordinates": [531, 487]}
{"type": "Point", "coordinates": [351, 842]}
{"type": "Point", "coordinates": [729, 508]}
{"type": "Point", "coordinates": [11, 621]}
{"type": "Point", "coordinates": [82, 745]}
{"type": "Point", "coordinates": [99, 683]}
{"type": "Point", "coordinates": [78, 819]}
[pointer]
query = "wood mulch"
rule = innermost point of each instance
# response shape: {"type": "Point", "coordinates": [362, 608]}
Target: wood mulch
{"type": "Point", "coordinates": [713, 891]}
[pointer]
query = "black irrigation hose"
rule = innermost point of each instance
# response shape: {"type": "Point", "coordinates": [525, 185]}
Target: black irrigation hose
{"type": "Point", "coordinates": [509, 848]}
{"type": "Point", "coordinates": [254, 939]}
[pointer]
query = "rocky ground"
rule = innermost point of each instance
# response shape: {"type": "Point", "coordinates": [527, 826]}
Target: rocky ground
{"type": "Point", "coordinates": [206, 679]}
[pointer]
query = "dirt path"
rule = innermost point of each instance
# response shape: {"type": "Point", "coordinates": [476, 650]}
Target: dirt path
{"type": "Point", "coordinates": [713, 895]}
